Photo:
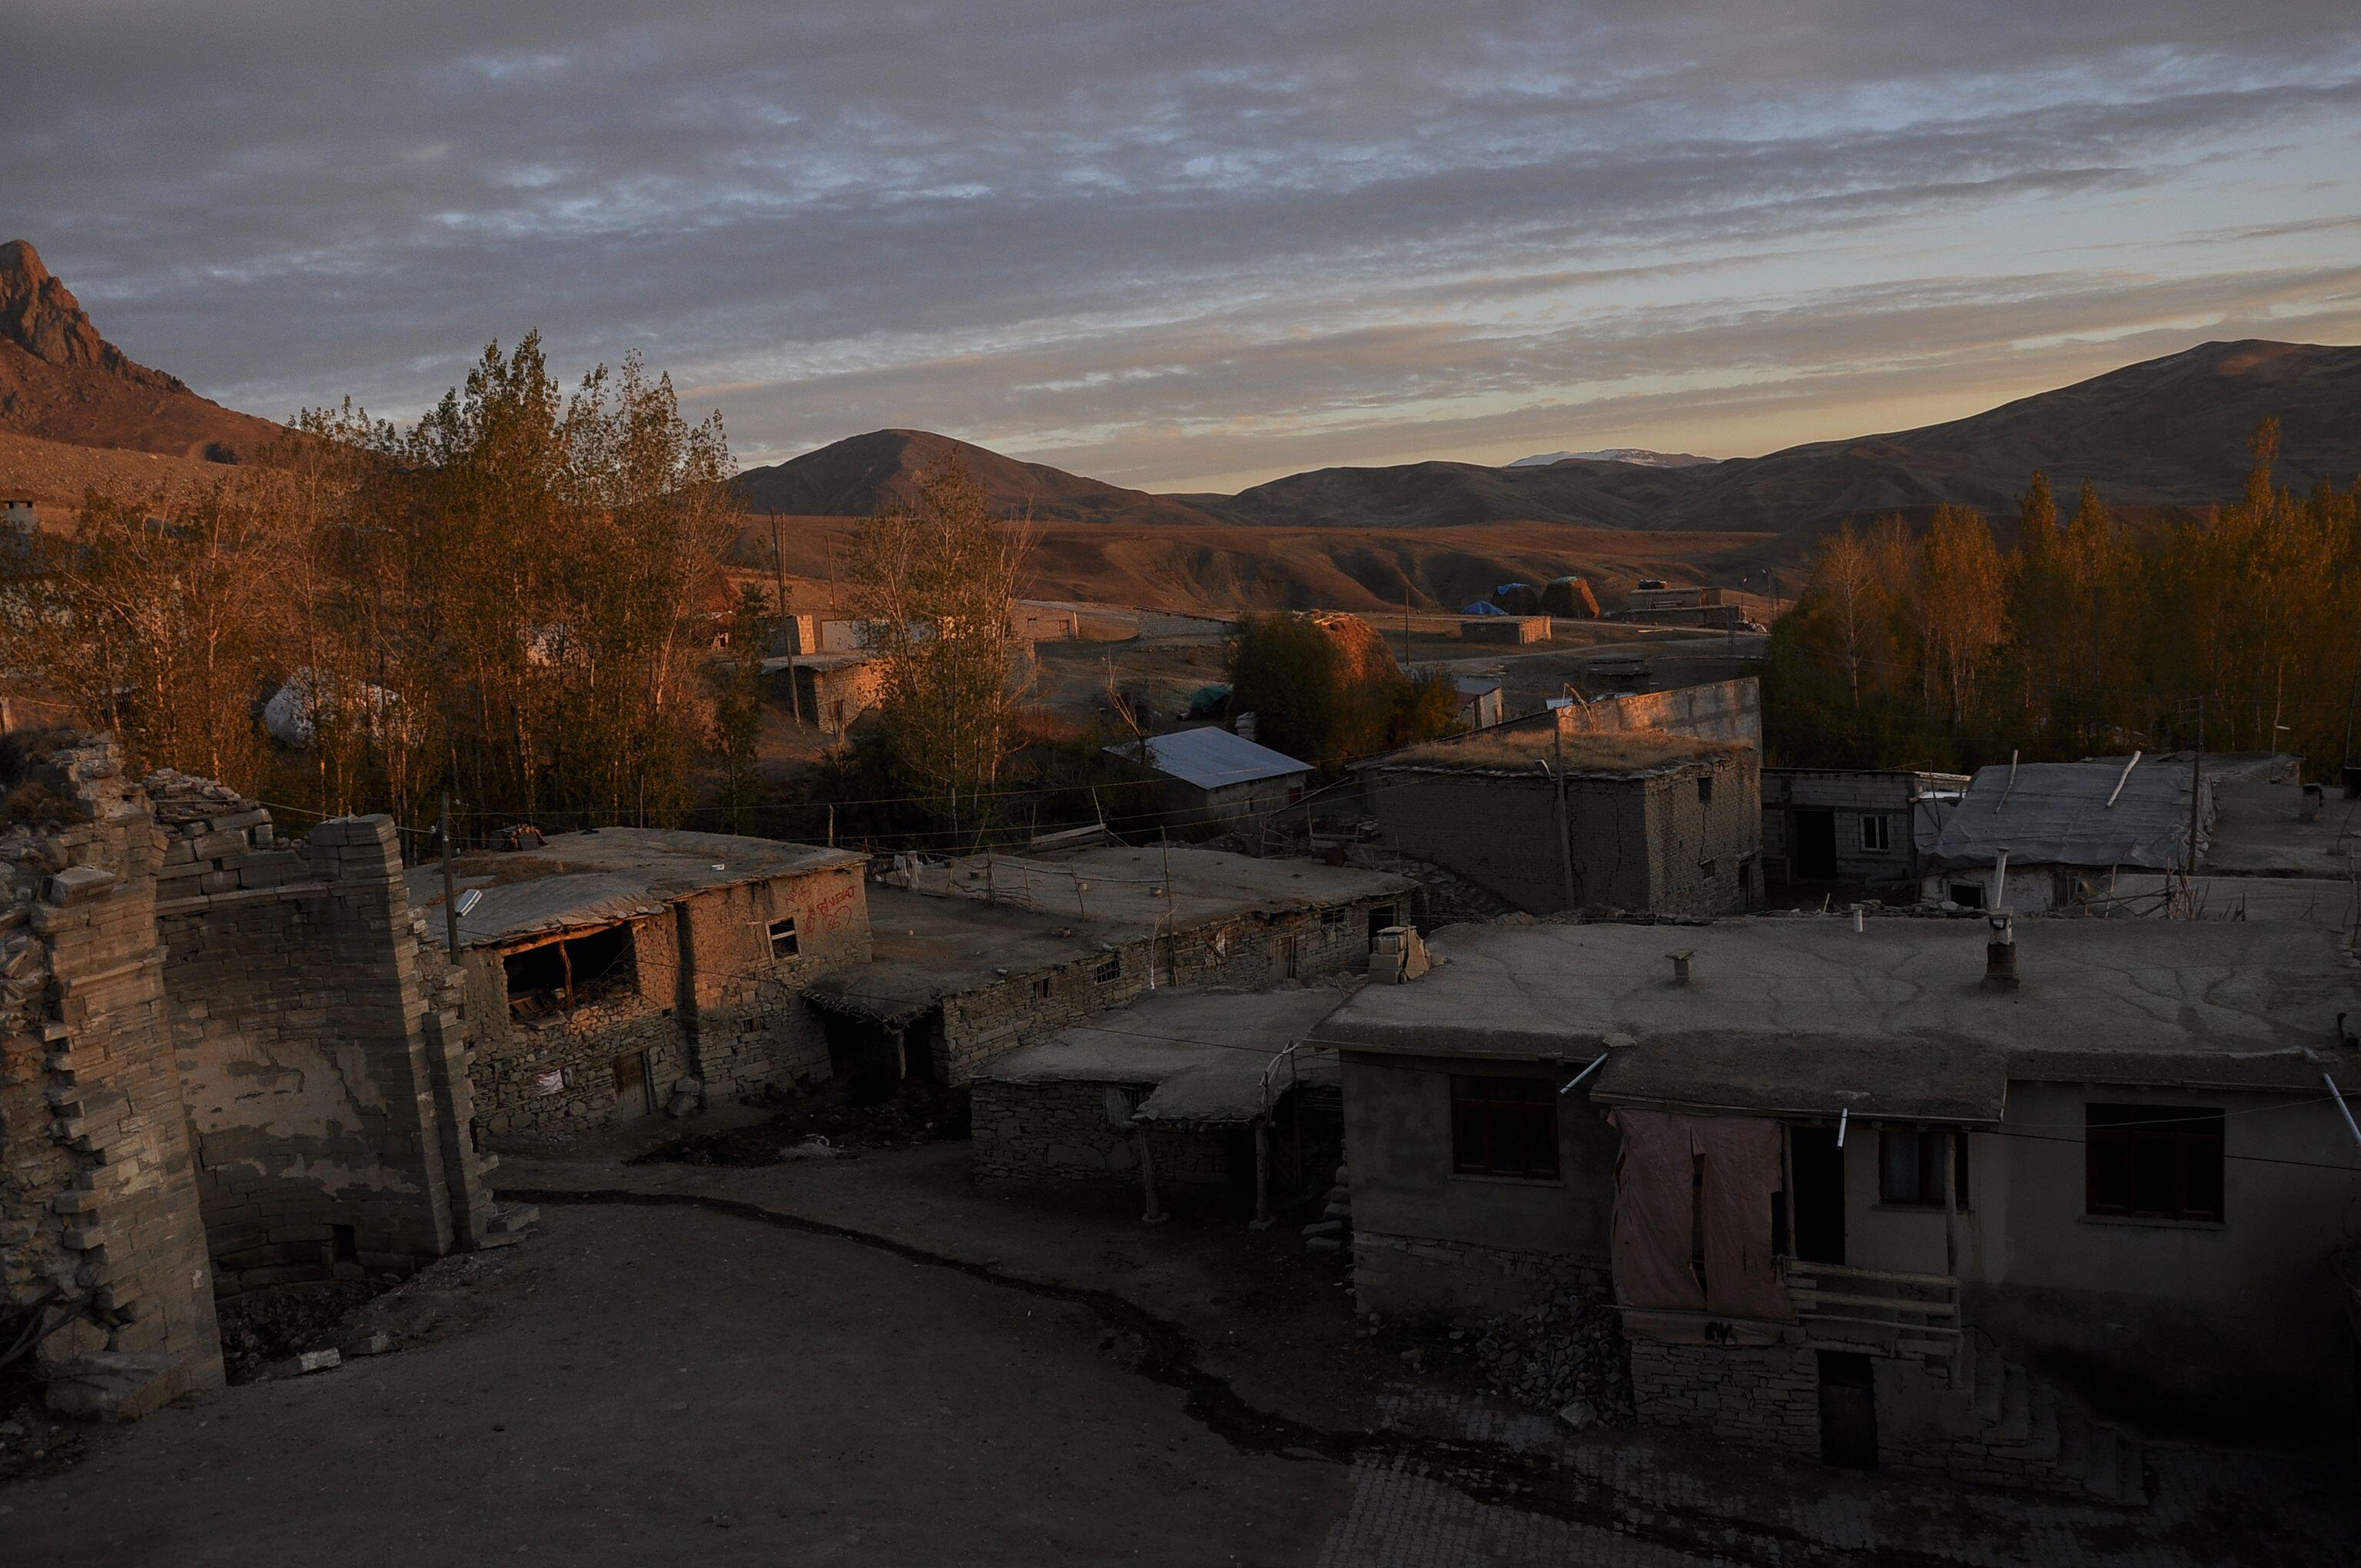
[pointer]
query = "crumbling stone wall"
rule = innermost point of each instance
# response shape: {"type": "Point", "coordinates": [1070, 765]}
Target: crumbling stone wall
{"type": "Point", "coordinates": [1766, 1396]}
{"type": "Point", "coordinates": [99, 1218]}
{"type": "Point", "coordinates": [729, 1020]}
{"type": "Point", "coordinates": [319, 1042]}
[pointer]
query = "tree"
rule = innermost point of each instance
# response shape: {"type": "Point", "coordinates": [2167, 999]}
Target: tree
{"type": "Point", "coordinates": [1326, 689]}
{"type": "Point", "coordinates": [933, 582]}
{"type": "Point", "coordinates": [738, 699]}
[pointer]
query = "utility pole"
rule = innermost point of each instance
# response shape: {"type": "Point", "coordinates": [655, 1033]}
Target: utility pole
{"type": "Point", "coordinates": [1405, 626]}
{"type": "Point", "coordinates": [2196, 786]}
{"type": "Point", "coordinates": [450, 884]}
{"type": "Point", "coordinates": [787, 627]}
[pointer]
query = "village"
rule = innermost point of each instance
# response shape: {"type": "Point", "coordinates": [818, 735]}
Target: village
{"type": "Point", "coordinates": [1565, 1136]}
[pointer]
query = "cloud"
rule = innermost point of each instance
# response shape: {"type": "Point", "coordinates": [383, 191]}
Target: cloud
{"type": "Point", "coordinates": [1196, 244]}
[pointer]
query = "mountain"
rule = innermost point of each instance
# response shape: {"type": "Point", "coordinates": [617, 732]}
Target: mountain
{"type": "Point", "coordinates": [59, 380]}
{"type": "Point", "coordinates": [2167, 436]}
{"type": "Point", "coordinates": [864, 474]}
{"type": "Point", "coordinates": [1640, 455]}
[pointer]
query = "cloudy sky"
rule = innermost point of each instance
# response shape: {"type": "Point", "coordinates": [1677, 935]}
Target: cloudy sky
{"type": "Point", "coordinates": [1194, 245]}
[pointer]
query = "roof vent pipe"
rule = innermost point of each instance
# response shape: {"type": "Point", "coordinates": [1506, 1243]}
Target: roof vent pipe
{"type": "Point", "coordinates": [1681, 965]}
{"type": "Point", "coordinates": [1858, 921]}
{"type": "Point", "coordinates": [2125, 779]}
{"type": "Point", "coordinates": [2000, 954]}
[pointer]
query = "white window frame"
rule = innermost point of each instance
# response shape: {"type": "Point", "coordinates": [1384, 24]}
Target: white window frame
{"type": "Point", "coordinates": [1878, 826]}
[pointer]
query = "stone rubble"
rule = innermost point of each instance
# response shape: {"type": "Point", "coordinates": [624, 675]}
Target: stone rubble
{"type": "Point", "coordinates": [1567, 1356]}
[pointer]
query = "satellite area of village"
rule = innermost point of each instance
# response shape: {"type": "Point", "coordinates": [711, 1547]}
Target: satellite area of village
{"type": "Point", "coordinates": [1206, 783]}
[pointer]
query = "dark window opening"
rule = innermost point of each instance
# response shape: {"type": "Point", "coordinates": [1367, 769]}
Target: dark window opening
{"type": "Point", "coordinates": [344, 1244]}
{"type": "Point", "coordinates": [1333, 919]}
{"type": "Point", "coordinates": [557, 977]}
{"type": "Point", "coordinates": [1041, 988]}
{"type": "Point", "coordinates": [1705, 790]}
{"type": "Point", "coordinates": [2152, 1162]}
{"type": "Point", "coordinates": [784, 943]}
{"type": "Point", "coordinates": [1968, 894]}
{"type": "Point", "coordinates": [1910, 1168]}
{"type": "Point", "coordinates": [1110, 970]}
{"type": "Point", "coordinates": [1504, 1126]}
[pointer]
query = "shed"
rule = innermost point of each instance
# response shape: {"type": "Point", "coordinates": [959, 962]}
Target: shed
{"type": "Point", "coordinates": [1211, 774]}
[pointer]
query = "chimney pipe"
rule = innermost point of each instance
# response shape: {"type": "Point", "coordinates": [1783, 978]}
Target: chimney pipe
{"type": "Point", "coordinates": [2000, 955]}
{"type": "Point", "coordinates": [1681, 965]}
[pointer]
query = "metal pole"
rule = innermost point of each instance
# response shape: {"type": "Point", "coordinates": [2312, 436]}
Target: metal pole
{"type": "Point", "coordinates": [2197, 785]}
{"type": "Point", "coordinates": [1951, 1202]}
{"type": "Point", "coordinates": [2338, 1096]}
{"type": "Point", "coordinates": [450, 885]}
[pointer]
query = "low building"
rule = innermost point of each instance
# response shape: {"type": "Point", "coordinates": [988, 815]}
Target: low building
{"type": "Point", "coordinates": [2276, 849]}
{"type": "Point", "coordinates": [1512, 629]}
{"type": "Point", "coordinates": [1672, 598]}
{"type": "Point", "coordinates": [1638, 821]}
{"type": "Point", "coordinates": [976, 957]}
{"type": "Point", "coordinates": [1863, 827]}
{"type": "Point", "coordinates": [1482, 700]}
{"type": "Point", "coordinates": [1855, 1201]}
{"type": "Point", "coordinates": [19, 517]}
{"type": "Point", "coordinates": [830, 690]}
{"type": "Point", "coordinates": [1172, 1094]}
{"type": "Point", "coordinates": [2066, 829]}
{"type": "Point", "coordinates": [619, 971]}
{"type": "Point", "coordinates": [1718, 710]}
{"type": "Point", "coordinates": [1211, 775]}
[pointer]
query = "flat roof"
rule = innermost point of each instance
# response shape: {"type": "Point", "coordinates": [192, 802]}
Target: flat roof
{"type": "Point", "coordinates": [1204, 1051]}
{"type": "Point", "coordinates": [925, 947]}
{"type": "Point", "coordinates": [1519, 751]}
{"type": "Point", "coordinates": [2256, 832]}
{"type": "Point", "coordinates": [1800, 1016]}
{"type": "Point", "coordinates": [1125, 887]}
{"type": "Point", "coordinates": [602, 876]}
{"type": "Point", "coordinates": [1210, 757]}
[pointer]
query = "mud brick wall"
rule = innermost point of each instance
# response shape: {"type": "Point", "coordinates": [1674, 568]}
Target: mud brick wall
{"type": "Point", "coordinates": [319, 1046]}
{"type": "Point", "coordinates": [1766, 1396]}
{"type": "Point", "coordinates": [1703, 851]}
{"type": "Point", "coordinates": [728, 1020]}
{"type": "Point", "coordinates": [1035, 1130]}
{"type": "Point", "coordinates": [1420, 1275]}
{"type": "Point", "coordinates": [98, 1199]}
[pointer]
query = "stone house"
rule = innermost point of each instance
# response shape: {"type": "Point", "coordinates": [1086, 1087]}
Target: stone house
{"type": "Point", "coordinates": [1191, 1095]}
{"type": "Point", "coordinates": [228, 1061]}
{"type": "Point", "coordinates": [977, 957]}
{"type": "Point", "coordinates": [622, 970]}
{"type": "Point", "coordinates": [1864, 827]}
{"type": "Point", "coordinates": [1510, 629]}
{"type": "Point", "coordinates": [1855, 1203]}
{"type": "Point", "coordinates": [1640, 821]}
{"type": "Point", "coordinates": [827, 690]}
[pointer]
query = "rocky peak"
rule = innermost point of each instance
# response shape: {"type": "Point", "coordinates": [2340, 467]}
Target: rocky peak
{"type": "Point", "coordinates": [39, 314]}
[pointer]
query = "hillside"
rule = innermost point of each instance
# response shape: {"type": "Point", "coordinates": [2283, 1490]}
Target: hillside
{"type": "Point", "coordinates": [864, 474]}
{"type": "Point", "coordinates": [2167, 435]}
{"type": "Point", "coordinates": [59, 380]}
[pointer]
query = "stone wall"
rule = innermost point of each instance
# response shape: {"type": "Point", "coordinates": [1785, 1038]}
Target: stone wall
{"type": "Point", "coordinates": [99, 1217]}
{"type": "Point", "coordinates": [1763, 1396]}
{"type": "Point", "coordinates": [729, 1021]}
{"type": "Point", "coordinates": [1037, 1130]}
{"type": "Point", "coordinates": [1724, 710]}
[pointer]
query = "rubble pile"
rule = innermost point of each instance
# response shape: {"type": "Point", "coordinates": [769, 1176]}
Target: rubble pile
{"type": "Point", "coordinates": [1567, 1356]}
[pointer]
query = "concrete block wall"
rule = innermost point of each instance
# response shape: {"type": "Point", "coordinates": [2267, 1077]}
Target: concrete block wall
{"type": "Point", "coordinates": [319, 1044]}
{"type": "Point", "coordinates": [1762, 1396]}
{"type": "Point", "coordinates": [1723, 710]}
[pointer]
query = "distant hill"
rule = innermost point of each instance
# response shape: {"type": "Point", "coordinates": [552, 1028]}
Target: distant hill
{"type": "Point", "coordinates": [2166, 437]}
{"type": "Point", "coordinates": [1635, 455]}
{"type": "Point", "coordinates": [59, 380]}
{"type": "Point", "coordinates": [864, 474]}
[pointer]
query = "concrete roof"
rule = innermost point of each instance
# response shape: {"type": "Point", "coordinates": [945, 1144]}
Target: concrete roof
{"type": "Point", "coordinates": [1211, 757]}
{"type": "Point", "coordinates": [927, 947]}
{"type": "Point", "coordinates": [1206, 1051]}
{"type": "Point", "coordinates": [2056, 814]}
{"type": "Point", "coordinates": [597, 877]}
{"type": "Point", "coordinates": [1125, 887]}
{"type": "Point", "coordinates": [2255, 833]}
{"type": "Point", "coordinates": [1801, 1015]}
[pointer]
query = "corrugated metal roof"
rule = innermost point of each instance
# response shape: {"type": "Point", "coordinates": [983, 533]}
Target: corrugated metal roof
{"type": "Point", "coordinates": [1211, 757]}
{"type": "Point", "coordinates": [2056, 814]}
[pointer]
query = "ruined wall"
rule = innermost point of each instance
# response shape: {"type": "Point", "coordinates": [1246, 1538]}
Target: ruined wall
{"type": "Point", "coordinates": [1704, 854]}
{"type": "Point", "coordinates": [319, 1044]}
{"type": "Point", "coordinates": [1724, 710]}
{"type": "Point", "coordinates": [732, 1021]}
{"type": "Point", "coordinates": [98, 1199]}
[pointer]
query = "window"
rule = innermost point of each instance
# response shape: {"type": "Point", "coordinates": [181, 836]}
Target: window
{"type": "Point", "coordinates": [1332, 920]}
{"type": "Point", "coordinates": [1705, 790]}
{"type": "Point", "coordinates": [597, 966]}
{"type": "Point", "coordinates": [1910, 1167]}
{"type": "Point", "coordinates": [1504, 1126]}
{"type": "Point", "coordinates": [784, 944]}
{"type": "Point", "coordinates": [1110, 970]}
{"type": "Point", "coordinates": [2152, 1162]}
{"type": "Point", "coordinates": [1968, 894]}
{"type": "Point", "coordinates": [1876, 834]}
{"type": "Point", "coordinates": [1041, 988]}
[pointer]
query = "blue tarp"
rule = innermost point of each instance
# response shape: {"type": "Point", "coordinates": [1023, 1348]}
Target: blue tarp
{"type": "Point", "coordinates": [1482, 607]}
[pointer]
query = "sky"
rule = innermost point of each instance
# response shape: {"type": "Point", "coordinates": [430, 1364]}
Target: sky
{"type": "Point", "coordinates": [1193, 247]}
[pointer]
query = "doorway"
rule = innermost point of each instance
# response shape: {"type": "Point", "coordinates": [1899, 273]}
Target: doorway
{"type": "Point", "coordinates": [1815, 846]}
{"type": "Point", "coordinates": [1847, 1409]}
{"type": "Point", "coordinates": [631, 1072]}
{"type": "Point", "coordinates": [1817, 1168]}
